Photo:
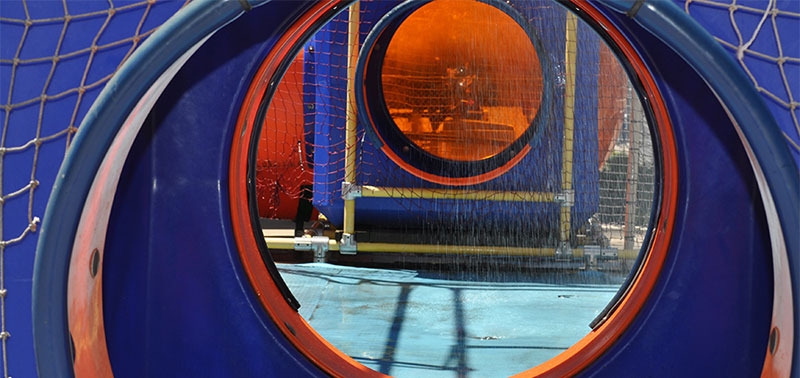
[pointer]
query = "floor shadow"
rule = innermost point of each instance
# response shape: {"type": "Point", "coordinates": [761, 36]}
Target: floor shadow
{"type": "Point", "coordinates": [458, 352]}
{"type": "Point", "coordinates": [386, 361]}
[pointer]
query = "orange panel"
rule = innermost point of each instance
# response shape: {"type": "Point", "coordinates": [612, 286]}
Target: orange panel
{"type": "Point", "coordinates": [282, 168]}
{"type": "Point", "coordinates": [460, 93]}
{"type": "Point", "coordinates": [612, 90]}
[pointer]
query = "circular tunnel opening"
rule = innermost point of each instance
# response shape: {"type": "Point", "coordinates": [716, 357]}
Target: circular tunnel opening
{"type": "Point", "coordinates": [176, 319]}
{"type": "Point", "coordinates": [468, 90]}
{"type": "Point", "coordinates": [462, 104]}
{"type": "Point", "coordinates": [428, 277]}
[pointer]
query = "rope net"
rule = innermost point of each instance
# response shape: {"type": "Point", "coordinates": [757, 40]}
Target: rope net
{"type": "Point", "coordinates": [761, 36]}
{"type": "Point", "coordinates": [62, 56]}
{"type": "Point", "coordinates": [62, 53]}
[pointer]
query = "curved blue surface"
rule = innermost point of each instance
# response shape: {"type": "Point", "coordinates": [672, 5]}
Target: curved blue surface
{"type": "Point", "coordinates": [123, 91]}
{"type": "Point", "coordinates": [172, 279]}
{"type": "Point", "coordinates": [710, 311]}
{"type": "Point", "coordinates": [42, 161]}
{"type": "Point", "coordinates": [176, 302]}
{"type": "Point", "coordinates": [728, 81]}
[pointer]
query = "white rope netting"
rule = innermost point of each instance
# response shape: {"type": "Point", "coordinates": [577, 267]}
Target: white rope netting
{"type": "Point", "coordinates": [65, 53]}
{"type": "Point", "coordinates": [762, 37]}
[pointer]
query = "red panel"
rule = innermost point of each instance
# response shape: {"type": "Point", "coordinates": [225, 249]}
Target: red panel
{"type": "Point", "coordinates": [282, 168]}
{"type": "Point", "coordinates": [611, 97]}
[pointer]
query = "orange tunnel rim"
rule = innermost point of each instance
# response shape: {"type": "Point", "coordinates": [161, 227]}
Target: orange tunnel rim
{"type": "Point", "coordinates": [375, 118]}
{"type": "Point", "coordinates": [336, 363]}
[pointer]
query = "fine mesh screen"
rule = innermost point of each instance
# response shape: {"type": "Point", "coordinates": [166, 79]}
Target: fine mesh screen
{"type": "Point", "coordinates": [303, 144]}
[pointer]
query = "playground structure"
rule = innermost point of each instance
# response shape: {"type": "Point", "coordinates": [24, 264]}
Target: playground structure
{"type": "Point", "coordinates": [727, 151]}
{"type": "Point", "coordinates": [444, 113]}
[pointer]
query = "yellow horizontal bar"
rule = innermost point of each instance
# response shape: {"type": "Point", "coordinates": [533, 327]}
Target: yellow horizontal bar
{"type": "Point", "coordinates": [288, 243]}
{"type": "Point", "coordinates": [486, 195]}
{"type": "Point", "coordinates": [455, 249]}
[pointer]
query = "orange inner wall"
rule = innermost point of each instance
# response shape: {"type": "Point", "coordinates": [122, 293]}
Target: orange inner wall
{"type": "Point", "coordinates": [467, 89]}
{"type": "Point", "coordinates": [282, 167]}
{"type": "Point", "coordinates": [612, 90]}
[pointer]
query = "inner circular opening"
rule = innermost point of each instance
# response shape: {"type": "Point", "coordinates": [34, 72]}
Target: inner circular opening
{"type": "Point", "coordinates": [487, 281]}
{"type": "Point", "coordinates": [461, 79]}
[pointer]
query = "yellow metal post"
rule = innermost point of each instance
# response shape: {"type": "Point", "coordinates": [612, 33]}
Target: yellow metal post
{"type": "Point", "coordinates": [569, 123]}
{"type": "Point", "coordinates": [348, 239]}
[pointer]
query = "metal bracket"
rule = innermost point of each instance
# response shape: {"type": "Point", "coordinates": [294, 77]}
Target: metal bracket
{"type": "Point", "coordinates": [566, 198]}
{"type": "Point", "coordinates": [318, 244]}
{"type": "Point", "coordinates": [564, 251]}
{"type": "Point", "coordinates": [350, 191]}
{"type": "Point", "coordinates": [590, 254]}
{"type": "Point", "coordinates": [593, 253]}
{"type": "Point", "coordinates": [348, 245]}
{"type": "Point", "coordinates": [609, 253]}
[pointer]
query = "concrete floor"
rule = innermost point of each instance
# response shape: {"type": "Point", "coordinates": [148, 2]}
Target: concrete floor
{"type": "Point", "coordinates": [416, 324]}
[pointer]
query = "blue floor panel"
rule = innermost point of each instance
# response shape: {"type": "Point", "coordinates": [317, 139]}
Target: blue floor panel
{"type": "Point", "coordinates": [415, 324]}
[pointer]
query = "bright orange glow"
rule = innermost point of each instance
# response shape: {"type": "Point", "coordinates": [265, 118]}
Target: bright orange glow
{"type": "Point", "coordinates": [612, 92]}
{"type": "Point", "coordinates": [461, 79]}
